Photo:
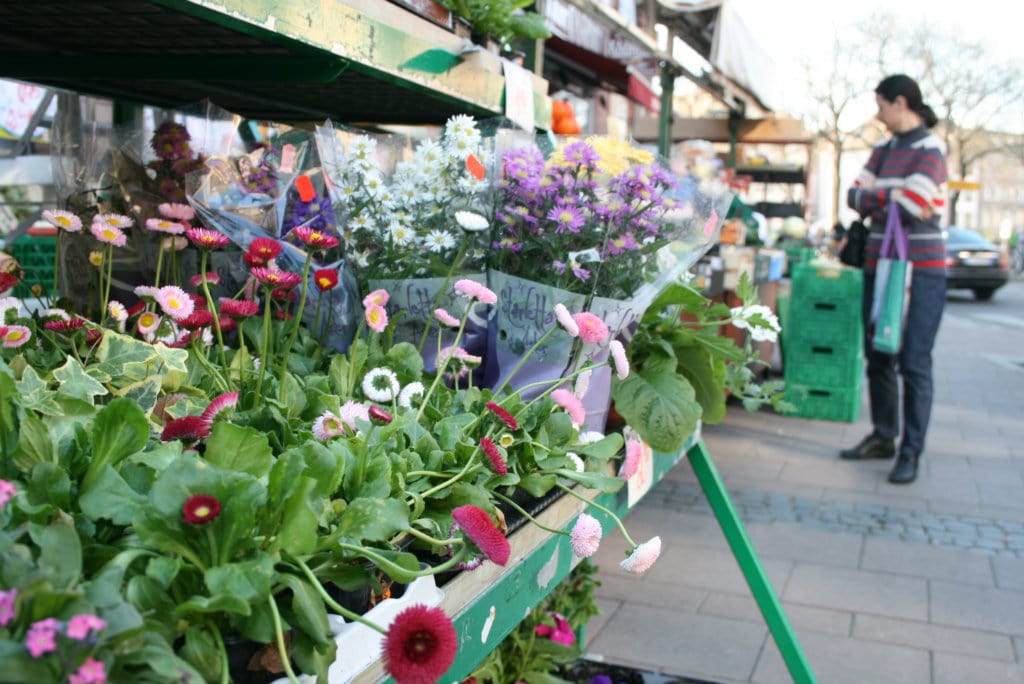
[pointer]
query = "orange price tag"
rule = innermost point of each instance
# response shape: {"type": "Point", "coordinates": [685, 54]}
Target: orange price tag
{"type": "Point", "coordinates": [475, 167]}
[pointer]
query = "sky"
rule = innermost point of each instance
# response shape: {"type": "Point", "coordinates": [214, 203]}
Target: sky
{"type": "Point", "coordinates": [791, 29]}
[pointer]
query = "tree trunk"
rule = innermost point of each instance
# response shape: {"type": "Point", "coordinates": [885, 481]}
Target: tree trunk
{"type": "Point", "coordinates": [837, 156]}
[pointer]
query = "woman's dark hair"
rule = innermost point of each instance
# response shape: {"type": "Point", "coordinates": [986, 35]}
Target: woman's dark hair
{"type": "Point", "coordinates": [893, 86]}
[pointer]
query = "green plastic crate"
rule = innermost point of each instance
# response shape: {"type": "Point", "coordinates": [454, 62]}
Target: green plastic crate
{"type": "Point", "coordinates": [811, 363]}
{"type": "Point", "coordinates": [824, 403]}
{"type": "Point", "coordinates": [798, 255]}
{"type": "Point", "coordinates": [35, 254]}
{"type": "Point", "coordinates": [833, 323]}
{"type": "Point", "coordinates": [822, 279]}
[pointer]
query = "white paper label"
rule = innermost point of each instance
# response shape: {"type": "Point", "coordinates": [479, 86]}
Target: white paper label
{"type": "Point", "coordinates": [519, 95]}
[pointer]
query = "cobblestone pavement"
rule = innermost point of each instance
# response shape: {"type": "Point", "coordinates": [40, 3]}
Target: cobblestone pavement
{"type": "Point", "coordinates": [989, 535]}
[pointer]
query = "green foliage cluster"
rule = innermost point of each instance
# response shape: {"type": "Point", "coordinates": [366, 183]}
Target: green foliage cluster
{"type": "Point", "coordinates": [503, 20]}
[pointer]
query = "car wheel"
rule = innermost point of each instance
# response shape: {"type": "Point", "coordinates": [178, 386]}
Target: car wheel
{"type": "Point", "coordinates": [983, 294]}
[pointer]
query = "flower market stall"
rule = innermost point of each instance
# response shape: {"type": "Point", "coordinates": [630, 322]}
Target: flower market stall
{"type": "Point", "coordinates": [332, 404]}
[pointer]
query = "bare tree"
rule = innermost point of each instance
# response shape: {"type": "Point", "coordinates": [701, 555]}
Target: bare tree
{"type": "Point", "coordinates": [834, 85]}
{"type": "Point", "coordinates": [970, 89]}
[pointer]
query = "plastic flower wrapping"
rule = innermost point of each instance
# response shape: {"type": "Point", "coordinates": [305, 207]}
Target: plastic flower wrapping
{"type": "Point", "coordinates": [599, 226]}
{"type": "Point", "coordinates": [412, 220]}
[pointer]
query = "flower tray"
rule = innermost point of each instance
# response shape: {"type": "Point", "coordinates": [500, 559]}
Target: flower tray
{"type": "Point", "coordinates": [358, 645]}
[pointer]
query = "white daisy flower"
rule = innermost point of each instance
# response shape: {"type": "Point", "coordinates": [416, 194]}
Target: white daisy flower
{"type": "Point", "coordinates": [439, 240]}
{"type": "Point", "coordinates": [57, 313]}
{"type": "Point", "coordinates": [380, 385]}
{"type": "Point", "coordinates": [576, 461]}
{"type": "Point", "coordinates": [400, 235]}
{"type": "Point", "coordinates": [471, 221]}
{"type": "Point", "coordinates": [410, 393]}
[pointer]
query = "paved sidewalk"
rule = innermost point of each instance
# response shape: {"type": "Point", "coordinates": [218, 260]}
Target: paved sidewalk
{"type": "Point", "coordinates": [919, 584]}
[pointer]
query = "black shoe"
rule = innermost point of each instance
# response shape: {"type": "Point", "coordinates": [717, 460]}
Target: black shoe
{"type": "Point", "coordinates": [905, 470]}
{"type": "Point", "coordinates": [871, 446]}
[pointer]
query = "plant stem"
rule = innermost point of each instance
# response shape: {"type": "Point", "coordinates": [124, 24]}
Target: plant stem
{"type": "Point", "coordinates": [56, 267]}
{"type": "Point", "coordinates": [331, 603]}
{"type": "Point", "coordinates": [295, 328]}
{"type": "Point", "coordinates": [211, 539]}
{"type": "Point", "coordinates": [266, 346]}
{"type": "Point", "coordinates": [601, 508]}
{"type": "Point", "coordinates": [279, 633]}
{"type": "Point", "coordinates": [526, 515]}
{"type": "Point", "coordinates": [439, 367]}
{"type": "Point", "coordinates": [524, 357]}
{"type": "Point", "coordinates": [225, 673]}
{"type": "Point", "coordinates": [159, 263]}
{"type": "Point", "coordinates": [440, 296]}
{"type": "Point", "coordinates": [209, 305]}
{"type": "Point", "coordinates": [430, 540]}
{"type": "Point", "coordinates": [110, 276]}
{"type": "Point", "coordinates": [455, 478]}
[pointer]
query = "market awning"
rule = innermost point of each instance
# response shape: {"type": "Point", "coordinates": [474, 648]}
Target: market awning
{"type": "Point", "coordinates": [598, 70]}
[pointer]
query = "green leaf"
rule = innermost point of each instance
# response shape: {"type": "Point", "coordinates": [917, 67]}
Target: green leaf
{"type": "Point", "coordinates": [222, 603]}
{"type": "Point", "coordinates": [538, 484]}
{"type": "Point", "coordinates": [236, 447]}
{"type": "Point", "coordinates": [60, 551]}
{"type": "Point", "coordinates": [707, 376]}
{"type": "Point", "coordinates": [111, 497]}
{"type": "Point", "coordinates": [144, 393]}
{"type": "Point", "coordinates": [20, 667]}
{"type": "Point", "coordinates": [405, 360]}
{"type": "Point", "coordinates": [308, 607]}
{"type": "Point", "coordinates": [601, 450]}
{"type": "Point", "coordinates": [34, 445]}
{"type": "Point", "coordinates": [676, 294]}
{"type": "Point", "coordinates": [558, 429]}
{"type": "Point", "coordinates": [120, 430]}
{"type": "Point", "coordinates": [293, 397]}
{"type": "Point", "coordinates": [249, 580]}
{"type": "Point", "coordinates": [76, 383]}
{"type": "Point", "coordinates": [373, 519]}
{"type": "Point", "coordinates": [401, 566]}
{"type": "Point", "coordinates": [600, 481]}
{"type": "Point", "coordinates": [35, 394]}
{"type": "Point", "coordinates": [298, 527]}
{"type": "Point", "coordinates": [660, 406]}
{"type": "Point", "coordinates": [50, 484]}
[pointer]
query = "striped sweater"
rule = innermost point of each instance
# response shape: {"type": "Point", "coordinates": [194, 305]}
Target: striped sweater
{"type": "Point", "coordinates": [915, 163]}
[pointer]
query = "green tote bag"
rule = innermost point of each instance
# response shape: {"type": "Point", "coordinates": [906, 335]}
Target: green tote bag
{"type": "Point", "coordinates": [892, 286]}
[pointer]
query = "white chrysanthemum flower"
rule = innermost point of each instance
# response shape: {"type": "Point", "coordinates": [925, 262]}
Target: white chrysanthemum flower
{"type": "Point", "coordinates": [439, 240]}
{"type": "Point", "coordinates": [410, 393]}
{"type": "Point", "coordinates": [471, 221]}
{"type": "Point", "coordinates": [361, 258]}
{"type": "Point", "coordinates": [401, 235]}
{"type": "Point", "coordinates": [380, 385]}
{"type": "Point", "coordinates": [590, 437]}
{"type": "Point", "coordinates": [360, 222]}
{"type": "Point", "coordinates": [362, 148]}
{"type": "Point", "coordinates": [428, 151]}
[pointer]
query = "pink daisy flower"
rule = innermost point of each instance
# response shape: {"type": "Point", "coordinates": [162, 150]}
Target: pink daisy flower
{"type": "Point", "coordinates": [592, 328]}
{"type": "Point", "coordinates": [206, 238]}
{"type": "Point", "coordinates": [219, 405]}
{"type": "Point", "coordinates": [114, 220]}
{"type": "Point", "coordinates": [327, 426]}
{"type": "Point", "coordinates": [174, 210]}
{"type": "Point", "coordinates": [582, 384]}
{"type": "Point", "coordinates": [7, 490]}
{"type": "Point", "coordinates": [642, 557]}
{"type": "Point", "coordinates": [379, 415]}
{"type": "Point", "coordinates": [446, 318]}
{"type": "Point", "coordinates": [619, 359]}
{"type": "Point", "coordinates": [211, 279]}
{"type": "Point", "coordinates": [632, 461]}
{"type": "Point", "coordinates": [351, 411]}
{"type": "Point", "coordinates": [493, 454]}
{"type": "Point", "coordinates": [7, 600]}
{"type": "Point", "coordinates": [14, 336]}
{"type": "Point", "coordinates": [175, 302]}
{"type": "Point", "coordinates": [238, 308]}
{"type": "Point", "coordinates": [164, 226]}
{"type": "Point", "coordinates": [147, 292]}
{"type": "Point", "coordinates": [474, 290]}
{"type": "Point", "coordinates": [148, 322]}
{"type": "Point", "coordinates": [420, 645]}
{"type": "Point", "coordinates": [92, 671]}
{"type": "Point", "coordinates": [64, 220]}
{"type": "Point", "coordinates": [378, 297]}
{"type": "Point", "coordinates": [64, 325]}
{"type": "Point", "coordinates": [200, 318]}
{"type": "Point", "coordinates": [315, 238]}
{"type": "Point", "coordinates": [79, 626]}
{"type": "Point", "coordinates": [573, 406]}
{"type": "Point", "coordinates": [566, 320]}
{"type": "Point", "coordinates": [187, 428]}
{"type": "Point", "coordinates": [275, 277]}
{"type": "Point", "coordinates": [108, 234]}
{"type": "Point", "coordinates": [40, 639]}
{"type": "Point", "coordinates": [177, 243]}
{"type": "Point", "coordinates": [376, 318]}
{"type": "Point", "coordinates": [585, 536]}
{"type": "Point", "coordinates": [478, 526]}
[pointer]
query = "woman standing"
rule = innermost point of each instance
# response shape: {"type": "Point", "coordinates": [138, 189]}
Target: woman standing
{"type": "Point", "coordinates": [910, 170]}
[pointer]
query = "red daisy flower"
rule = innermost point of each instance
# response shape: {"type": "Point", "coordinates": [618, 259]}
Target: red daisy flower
{"type": "Point", "coordinates": [420, 645]}
{"type": "Point", "coordinates": [315, 238]}
{"type": "Point", "coordinates": [200, 509]}
{"type": "Point", "coordinates": [494, 455]}
{"type": "Point", "coordinates": [61, 325]}
{"type": "Point", "coordinates": [264, 248]}
{"type": "Point", "coordinates": [93, 335]}
{"type": "Point", "coordinates": [227, 324]}
{"type": "Point", "coordinates": [504, 415]}
{"type": "Point", "coordinates": [200, 318]}
{"type": "Point", "coordinates": [275, 277]}
{"type": "Point", "coordinates": [7, 281]}
{"type": "Point", "coordinates": [253, 260]}
{"type": "Point", "coordinates": [187, 429]}
{"type": "Point", "coordinates": [198, 300]}
{"type": "Point", "coordinates": [283, 294]}
{"type": "Point", "coordinates": [204, 237]}
{"type": "Point", "coordinates": [326, 278]}
{"type": "Point", "coordinates": [283, 315]}
{"type": "Point", "coordinates": [379, 415]}
{"type": "Point", "coordinates": [239, 308]}
{"type": "Point", "coordinates": [476, 523]}
{"type": "Point", "coordinates": [136, 309]}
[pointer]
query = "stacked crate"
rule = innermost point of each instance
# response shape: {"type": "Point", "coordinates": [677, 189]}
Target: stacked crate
{"type": "Point", "coordinates": [34, 252]}
{"type": "Point", "coordinates": [823, 340]}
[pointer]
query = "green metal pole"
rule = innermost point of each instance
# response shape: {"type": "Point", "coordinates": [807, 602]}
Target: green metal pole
{"type": "Point", "coordinates": [753, 571]}
{"type": "Point", "coordinates": [668, 83]}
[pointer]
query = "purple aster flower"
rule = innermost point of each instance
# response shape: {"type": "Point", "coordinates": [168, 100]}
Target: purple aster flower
{"type": "Point", "coordinates": [582, 154]}
{"type": "Point", "coordinates": [559, 266]}
{"type": "Point", "coordinates": [567, 217]}
{"type": "Point", "coordinates": [580, 272]}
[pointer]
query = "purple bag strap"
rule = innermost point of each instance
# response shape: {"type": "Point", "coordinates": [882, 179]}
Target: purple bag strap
{"type": "Point", "coordinates": [895, 236]}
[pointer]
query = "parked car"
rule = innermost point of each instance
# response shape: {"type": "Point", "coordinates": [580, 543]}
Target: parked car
{"type": "Point", "coordinates": [974, 263]}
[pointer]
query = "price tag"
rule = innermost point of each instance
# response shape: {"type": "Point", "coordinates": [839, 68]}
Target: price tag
{"type": "Point", "coordinates": [519, 95]}
{"type": "Point", "coordinates": [638, 485]}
